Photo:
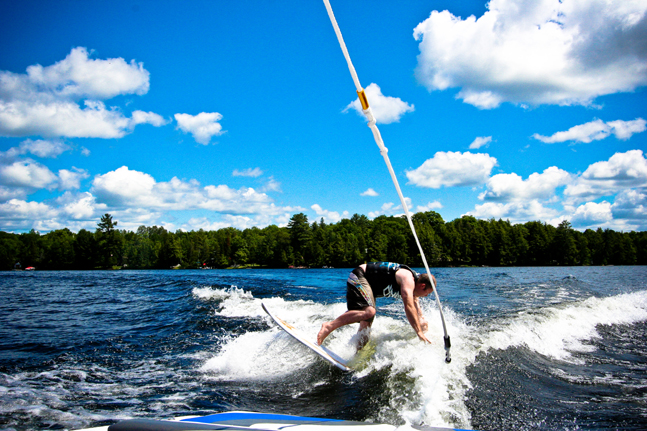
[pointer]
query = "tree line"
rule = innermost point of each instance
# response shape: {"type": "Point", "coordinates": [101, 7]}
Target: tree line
{"type": "Point", "coordinates": [465, 241]}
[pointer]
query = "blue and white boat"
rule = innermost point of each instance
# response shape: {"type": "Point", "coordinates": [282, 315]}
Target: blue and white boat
{"type": "Point", "coordinates": [253, 421]}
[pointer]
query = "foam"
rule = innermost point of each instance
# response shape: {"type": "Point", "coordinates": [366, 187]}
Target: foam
{"type": "Point", "coordinates": [423, 388]}
{"type": "Point", "coordinates": [558, 331]}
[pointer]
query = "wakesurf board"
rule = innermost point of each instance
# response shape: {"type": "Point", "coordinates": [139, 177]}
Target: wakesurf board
{"type": "Point", "coordinates": [323, 352]}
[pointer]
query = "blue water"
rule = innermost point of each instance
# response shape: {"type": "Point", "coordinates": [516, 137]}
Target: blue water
{"type": "Point", "coordinates": [532, 348]}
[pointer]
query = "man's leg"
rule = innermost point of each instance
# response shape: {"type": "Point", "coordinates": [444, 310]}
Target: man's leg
{"type": "Point", "coordinates": [364, 333]}
{"type": "Point", "coordinates": [351, 316]}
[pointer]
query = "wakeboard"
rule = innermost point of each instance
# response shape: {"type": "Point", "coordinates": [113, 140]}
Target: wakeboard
{"type": "Point", "coordinates": [323, 352]}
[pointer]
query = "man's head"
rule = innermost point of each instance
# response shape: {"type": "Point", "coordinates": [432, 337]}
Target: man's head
{"type": "Point", "coordinates": [425, 285]}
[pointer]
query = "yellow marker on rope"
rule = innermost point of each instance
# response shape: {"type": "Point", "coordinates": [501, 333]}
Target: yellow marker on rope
{"type": "Point", "coordinates": [384, 152]}
{"type": "Point", "coordinates": [363, 99]}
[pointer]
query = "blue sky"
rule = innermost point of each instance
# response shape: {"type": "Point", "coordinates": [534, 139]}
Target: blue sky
{"type": "Point", "coordinates": [207, 114]}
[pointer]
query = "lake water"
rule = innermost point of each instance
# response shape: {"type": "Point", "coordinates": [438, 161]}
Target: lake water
{"type": "Point", "coordinates": [532, 348]}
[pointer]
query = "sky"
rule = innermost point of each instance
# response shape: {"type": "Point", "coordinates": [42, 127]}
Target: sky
{"type": "Point", "coordinates": [210, 114]}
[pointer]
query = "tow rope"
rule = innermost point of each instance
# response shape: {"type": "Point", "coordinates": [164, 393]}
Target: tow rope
{"type": "Point", "coordinates": [384, 152]}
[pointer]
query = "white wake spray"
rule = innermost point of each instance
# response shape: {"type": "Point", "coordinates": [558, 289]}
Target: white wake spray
{"type": "Point", "coordinates": [423, 388]}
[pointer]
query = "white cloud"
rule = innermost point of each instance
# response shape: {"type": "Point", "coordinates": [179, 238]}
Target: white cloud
{"type": "Point", "coordinates": [249, 172]}
{"type": "Point", "coordinates": [78, 76]}
{"type": "Point", "coordinates": [385, 109]}
{"type": "Point", "coordinates": [41, 148]}
{"type": "Point", "coordinates": [389, 208]}
{"type": "Point", "coordinates": [451, 169]}
{"type": "Point", "coordinates": [327, 215]}
{"type": "Point", "coordinates": [202, 126]}
{"type": "Point", "coordinates": [596, 130]}
{"type": "Point", "coordinates": [516, 212]}
{"type": "Point", "coordinates": [15, 210]}
{"type": "Point", "coordinates": [369, 192]}
{"type": "Point", "coordinates": [271, 185]}
{"type": "Point", "coordinates": [631, 205]}
{"type": "Point", "coordinates": [511, 187]}
{"type": "Point", "coordinates": [480, 141]}
{"type": "Point", "coordinates": [71, 179]}
{"type": "Point", "coordinates": [135, 198]}
{"type": "Point", "coordinates": [26, 173]}
{"type": "Point", "coordinates": [622, 171]}
{"type": "Point", "coordinates": [540, 52]}
{"type": "Point", "coordinates": [81, 206]}
{"type": "Point", "coordinates": [7, 193]}
{"type": "Point", "coordinates": [228, 220]}
{"type": "Point", "coordinates": [124, 188]}
{"type": "Point", "coordinates": [625, 129]}
{"type": "Point", "coordinates": [141, 117]}
{"type": "Point", "coordinates": [429, 207]}
{"type": "Point", "coordinates": [624, 175]}
{"type": "Point", "coordinates": [385, 209]}
{"type": "Point", "coordinates": [45, 100]}
{"type": "Point", "coordinates": [592, 214]}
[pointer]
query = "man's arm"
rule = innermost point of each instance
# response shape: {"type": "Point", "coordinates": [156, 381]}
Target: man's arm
{"type": "Point", "coordinates": [423, 323]}
{"type": "Point", "coordinates": [411, 305]}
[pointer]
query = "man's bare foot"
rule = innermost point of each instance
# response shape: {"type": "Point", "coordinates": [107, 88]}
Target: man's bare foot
{"type": "Point", "coordinates": [326, 329]}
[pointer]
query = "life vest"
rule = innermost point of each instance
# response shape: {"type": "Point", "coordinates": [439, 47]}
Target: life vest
{"type": "Point", "coordinates": [381, 277]}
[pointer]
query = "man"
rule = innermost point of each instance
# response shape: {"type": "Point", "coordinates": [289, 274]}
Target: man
{"type": "Point", "coordinates": [375, 280]}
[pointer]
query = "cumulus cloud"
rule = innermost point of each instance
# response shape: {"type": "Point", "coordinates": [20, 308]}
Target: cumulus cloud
{"type": "Point", "coordinates": [451, 169]}
{"type": "Point", "coordinates": [27, 173]}
{"type": "Point", "coordinates": [203, 126]}
{"type": "Point", "coordinates": [46, 100]}
{"type": "Point", "coordinates": [132, 197]}
{"type": "Point", "coordinates": [271, 185]}
{"type": "Point", "coordinates": [387, 208]}
{"type": "Point", "coordinates": [631, 205]}
{"type": "Point", "coordinates": [141, 117]}
{"type": "Point", "coordinates": [386, 109]}
{"type": "Point", "coordinates": [369, 192]}
{"type": "Point", "coordinates": [596, 130]}
{"type": "Point", "coordinates": [23, 177]}
{"type": "Point", "coordinates": [71, 179]}
{"type": "Point", "coordinates": [541, 52]}
{"type": "Point", "coordinates": [592, 214]}
{"type": "Point", "coordinates": [511, 187]}
{"type": "Point", "coordinates": [249, 172]}
{"type": "Point", "coordinates": [78, 76]}
{"type": "Point", "coordinates": [480, 141]}
{"type": "Point", "coordinates": [228, 220]}
{"type": "Point", "coordinates": [80, 206]}
{"type": "Point", "coordinates": [41, 148]}
{"type": "Point", "coordinates": [622, 171]}
{"type": "Point", "coordinates": [429, 207]}
{"type": "Point", "coordinates": [327, 215]}
{"type": "Point", "coordinates": [125, 188]}
{"type": "Point", "coordinates": [516, 212]}
{"type": "Point", "coordinates": [622, 180]}
{"type": "Point", "coordinates": [20, 214]}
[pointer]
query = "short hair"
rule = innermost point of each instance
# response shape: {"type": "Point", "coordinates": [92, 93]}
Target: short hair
{"type": "Point", "coordinates": [424, 279]}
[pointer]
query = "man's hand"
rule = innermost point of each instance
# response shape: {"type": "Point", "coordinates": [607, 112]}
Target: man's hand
{"type": "Point", "coordinates": [424, 338]}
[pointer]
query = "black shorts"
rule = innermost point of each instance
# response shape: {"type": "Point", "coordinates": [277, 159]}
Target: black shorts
{"type": "Point", "coordinates": [359, 294]}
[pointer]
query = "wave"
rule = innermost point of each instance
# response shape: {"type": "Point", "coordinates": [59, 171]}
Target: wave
{"type": "Point", "coordinates": [422, 388]}
{"type": "Point", "coordinates": [394, 349]}
{"type": "Point", "coordinates": [558, 331]}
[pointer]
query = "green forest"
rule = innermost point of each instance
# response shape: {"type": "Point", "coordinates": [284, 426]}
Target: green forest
{"type": "Point", "coordinates": [465, 241]}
